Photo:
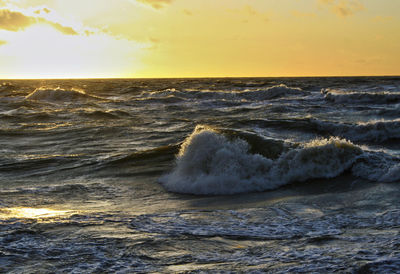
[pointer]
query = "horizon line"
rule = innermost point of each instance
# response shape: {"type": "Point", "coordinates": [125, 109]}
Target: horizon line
{"type": "Point", "coordinates": [199, 77]}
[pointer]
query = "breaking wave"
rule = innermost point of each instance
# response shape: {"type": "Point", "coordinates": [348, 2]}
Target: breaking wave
{"type": "Point", "coordinates": [59, 95]}
{"type": "Point", "coordinates": [340, 96]}
{"type": "Point", "coordinates": [209, 163]}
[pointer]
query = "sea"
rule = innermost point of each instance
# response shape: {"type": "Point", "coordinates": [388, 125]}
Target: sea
{"type": "Point", "coordinates": [219, 175]}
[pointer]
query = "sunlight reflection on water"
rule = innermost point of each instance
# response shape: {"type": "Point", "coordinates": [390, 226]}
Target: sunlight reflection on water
{"type": "Point", "coordinates": [33, 213]}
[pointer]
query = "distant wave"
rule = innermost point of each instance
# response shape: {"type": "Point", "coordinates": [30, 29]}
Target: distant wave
{"type": "Point", "coordinates": [274, 92]}
{"type": "Point", "coordinates": [59, 95]}
{"type": "Point", "coordinates": [259, 94]}
{"type": "Point", "coordinates": [374, 131]}
{"type": "Point", "coordinates": [341, 96]}
{"type": "Point", "coordinates": [209, 163]}
{"type": "Point", "coordinates": [368, 132]}
{"type": "Point", "coordinates": [6, 86]}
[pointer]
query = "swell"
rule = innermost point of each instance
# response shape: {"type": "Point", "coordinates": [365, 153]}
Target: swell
{"type": "Point", "coordinates": [209, 163]}
{"type": "Point", "coordinates": [140, 163]}
{"type": "Point", "coordinates": [173, 95]}
{"type": "Point", "coordinates": [340, 96]}
{"type": "Point", "coordinates": [60, 95]}
{"type": "Point", "coordinates": [6, 87]}
{"type": "Point", "coordinates": [39, 165]}
{"type": "Point", "coordinates": [375, 131]}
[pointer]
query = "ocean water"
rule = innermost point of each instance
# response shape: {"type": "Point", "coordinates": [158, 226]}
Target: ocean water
{"type": "Point", "coordinates": [276, 175]}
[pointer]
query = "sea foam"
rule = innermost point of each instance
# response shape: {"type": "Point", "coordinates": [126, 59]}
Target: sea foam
{"type": "Point", "coordinates": [209, 163]}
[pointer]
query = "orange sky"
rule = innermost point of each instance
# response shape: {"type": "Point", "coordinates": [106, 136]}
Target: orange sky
{"type": "Point", "coordinates": [198, 38]}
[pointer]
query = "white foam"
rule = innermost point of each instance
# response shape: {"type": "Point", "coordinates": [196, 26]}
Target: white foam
{"type": "Point", "coordinates": [208, 163]}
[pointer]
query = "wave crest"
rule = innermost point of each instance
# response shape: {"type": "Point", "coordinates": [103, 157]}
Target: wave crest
{"type": "Point", "coordinates": [59, 95]}
{"type": "Point", "coordinates": [258, 94]}
{"type": "Point", "coordinates": [273, 92]}
{"type": "Point", "coordinates": [382, 97]}
{"type": "Point", "coordinates": [373, 131]}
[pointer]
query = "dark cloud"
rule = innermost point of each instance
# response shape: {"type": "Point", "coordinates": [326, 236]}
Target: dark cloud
{"type": "Point", "coordinates": [157, 4]}
{"type": "Point", "coordinates": [17, 21]}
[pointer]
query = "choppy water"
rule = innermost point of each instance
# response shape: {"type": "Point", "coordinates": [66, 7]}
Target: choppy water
{"type": "Point", "coordinates": [257, 175]}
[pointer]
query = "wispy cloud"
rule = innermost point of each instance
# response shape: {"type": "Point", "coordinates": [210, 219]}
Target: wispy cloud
{"type": "Point", "coordinates": [300, 14]}
{"type": "Point", "coordinates": [248, 13]}
{"type": "Point", "coordinates": [17, 21]}
{"type": "Point", "coordinates": [380, 18]}
{"type": "Point", "coordinates": [2, 42]}
{"type": "Point", "coordinates": [187, 12]}
{"type": "Point", "coordinates": [250, 10]}
{"type": "Point", "coordinates": [343, 8]}
{"type": "Point", "coordinates": [44, 10]}
{"type": "Point", "coordinates": [156, 4]}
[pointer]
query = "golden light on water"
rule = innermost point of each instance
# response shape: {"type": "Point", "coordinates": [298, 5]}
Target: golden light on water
{"type": "Point", "coordinates": [33, 213]}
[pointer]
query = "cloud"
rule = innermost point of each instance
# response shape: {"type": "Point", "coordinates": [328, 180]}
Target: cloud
{"type": "Point", "coordinates": [157, 4]}
{"type": "Point", "coordinates": [59, 27]}
{"type": "Point", "coordinates": [17, 21]}
{"type": "Point", "coordinates": [343, 8]}
{"type": "Point", "coordinates": [247, 14]}
{"type": "Point", "coordinates": [380, 18]}
{"type": "Point", "coordinates": [300, 14]}
{"type": "Point", "coordinates": [45, 10]}
{"type": "Point", "coordinates": [2, 42]}
{"type": "Point", "coordinates": [249, 10]}
{"type": "Point", "coordinates": [14, 21]}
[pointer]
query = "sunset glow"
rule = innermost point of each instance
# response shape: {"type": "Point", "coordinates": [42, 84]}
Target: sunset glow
{"type": "Point", "coordinates": [176, 38]}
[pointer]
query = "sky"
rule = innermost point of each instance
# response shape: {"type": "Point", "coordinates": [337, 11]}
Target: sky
{"type": "Point", "coordinates": [198, 38]}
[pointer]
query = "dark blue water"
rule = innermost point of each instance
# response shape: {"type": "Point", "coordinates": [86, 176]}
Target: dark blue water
{"type": "Point", "coordinates": [173, 175]}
